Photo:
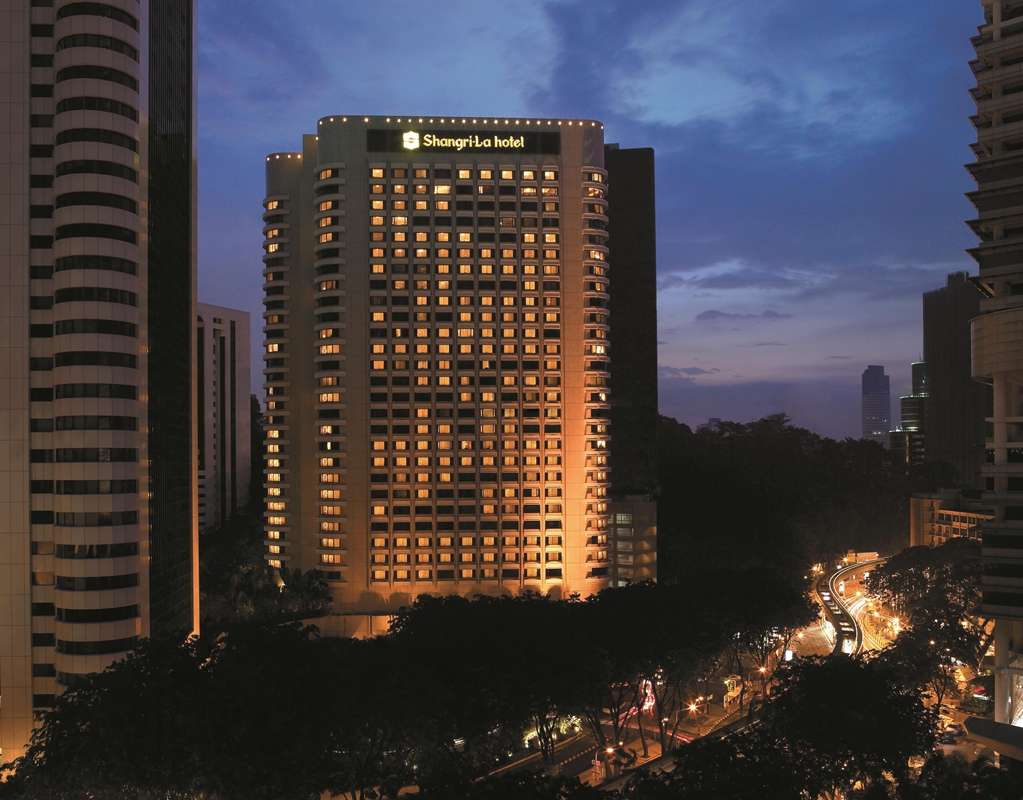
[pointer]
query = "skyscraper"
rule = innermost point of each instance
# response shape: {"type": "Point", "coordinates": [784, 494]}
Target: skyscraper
{"type": "Point", "coordinates": [877, 405]}
{"type": "Point", "coordinates": [997, 334]}
{"type": "Point", "coordinates": [222, 373]}
{"type": "Point", "coordinates": [913, 415]}
{"type": "Point", "coordinates": [437, 357]}
{"type": "Point", "coordinates": [633, 380]}
{"type": "Point", "coordinates": [956, 404]}
{"type": "Point", "coordinates": [97, 258]}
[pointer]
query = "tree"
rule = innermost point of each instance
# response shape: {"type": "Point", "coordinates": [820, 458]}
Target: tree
{"type": "Point", "coordinates": [848, 721]}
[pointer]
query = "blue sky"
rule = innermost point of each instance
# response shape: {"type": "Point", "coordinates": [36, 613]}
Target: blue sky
{"type": "Point", "coordinates": [809, 159]}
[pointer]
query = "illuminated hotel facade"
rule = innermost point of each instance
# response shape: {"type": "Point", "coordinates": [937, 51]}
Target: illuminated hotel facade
{"type": "Point", "coordinates": [437, 359]}
{"type": "Point", "coordinates": [97, 262]}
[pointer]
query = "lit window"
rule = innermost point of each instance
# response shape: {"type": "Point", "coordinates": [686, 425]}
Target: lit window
{"type": "Point", "coordinates": [528, 175]}
{"type": "Point", "coordinates": [272, 205]}
{"type": "Point", "coordinates": [376, 172]}
{"type": "Point", "coordinates": [442, 190]}
{"type": "Point", "coordinates": [507, 175]}
{"type": "Point", "coordinates": [376, 220]}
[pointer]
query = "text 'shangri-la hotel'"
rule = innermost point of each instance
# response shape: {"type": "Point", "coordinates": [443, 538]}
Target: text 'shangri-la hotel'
{"type": "Point", "coordinates": [437, 359]}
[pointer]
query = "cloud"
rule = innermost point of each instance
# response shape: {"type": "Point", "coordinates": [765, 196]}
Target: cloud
{"type": "Point", "coordinates": [841, 358]}
{"type": "Point", "coordinates": [710, 316]}
{"type": "Point", "coordinates": [683, 372]}
{"type": "Point", "coordinates": [765, 344]}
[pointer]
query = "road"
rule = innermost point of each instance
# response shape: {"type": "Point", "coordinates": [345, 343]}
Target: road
{"type": "Point", "coordinates": [849, 633]}
{"type": "Point", "coordinates": [858, 607]}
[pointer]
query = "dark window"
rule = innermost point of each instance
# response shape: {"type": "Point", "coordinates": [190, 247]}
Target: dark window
{"type": "Point", "coordinates": [66, 326]}
{"type": "Point", "coordinates": [41, 60]}
{"type": "Point", "coordinates": [96, 199]}
{"type": "Point", "coordinates": [41, 90]}
{"type": "Point", "coordinates": [98, 10]}
{"type": "Point", "coordinates": [43, 639]}
{"type": "Point", "coordinates": [40, 395]}
{"type": "Point", "coordinates": [40, 364]}
{"type": "Point", "coordinates": [109, 263]}
{"type": "Point", "coordinates": [94, 519]}
{"type": "Point", "coordinates": [40, 151]}
{"type": "Point", "coordinates": [40, 425]}
{"type": "Point", "coordinates": [96, 614]}
{"type": "Point", "coordinates": [92, 167]}
{"type": "Point", "coordinates": [40, 487]}
{"type": "Point", "coordinates": [99, 294]}
{"type": "Point", "coordinates": [96, 40]}
{"type": "Point", "coordinates": [40, 212]}
{"type": "Point", "coordinates": [97, 231]}
{"type": "Point", "coordinates": [88, 422]}
{"type": "Point", "coordinates": [42, 610]}
{"type": "Point", "coordinates": [42, 30]}
{"type": "Point", "coordinates": [95, 358]}
{"type": "Point", "coordinates": [40, 181]}
{"type": "Point", "coordinates": [40, 242]}
{"type": "Point", "coordinates": [120, 550]}
{"type": "Point", "coordinates": [100, 454]}
{"type": "Point", "coordinates": [96, 584]}
{"type": "Point", "coordinates": [97, 73]}
{"type": "Point", "coordinates": [95, 487]}
{"type": "Point", "coordinates": [43, 670]}
{"type": "Point", "coordinates": [40, 272]}
{"type": "Point", "coordinates": [98, 104]}
{"type": "Point", "coordinates": [96, 135]}
{"type": "Point", "coordinates": [41, 456]}
{"type": "Point", "coordinates": [43, 700]}
{"type": "Point", "coordinates": [97, 648]}
{"type": "Point", "coordinates": [41, 517]}
{"type": "Point", "coordinates": [40, 331]}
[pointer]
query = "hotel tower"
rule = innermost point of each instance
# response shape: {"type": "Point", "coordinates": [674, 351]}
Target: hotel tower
{"type": "Point", "coordinates": [97, 261]}
{"type": "Point", "coordinates": [437, 359]}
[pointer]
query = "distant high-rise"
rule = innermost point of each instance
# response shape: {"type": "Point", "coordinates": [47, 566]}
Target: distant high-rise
{"type": "Point", "coordinates": [956, 404]}
{"type": "Point", "coordinates": [222, 351]}
{"type": "Point", "coordinates": [877, 405]}
{"type": "Point", "coordinates": [98, 272]}
{"type": "Point", "coordinates": [997, 334]}
{"type": "Point", "coordinates": [913, 415]}
{"type": "Point", "coordinates": [633, 381]}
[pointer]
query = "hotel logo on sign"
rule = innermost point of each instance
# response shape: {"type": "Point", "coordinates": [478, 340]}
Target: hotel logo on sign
{"type": "Point", "coordinates": [397, 141]}
{"type": "Point", "coordinates": [474, 142]}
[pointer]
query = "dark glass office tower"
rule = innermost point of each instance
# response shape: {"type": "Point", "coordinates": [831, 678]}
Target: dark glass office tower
{"type": "Point", "coordinates": [913, 415]}
{"type": "Point", "coordinates": [634, 416]}
{"type": "Point", "coordinates": [956, 404]}
{"type": "Point", "coordinates": [97, 268]}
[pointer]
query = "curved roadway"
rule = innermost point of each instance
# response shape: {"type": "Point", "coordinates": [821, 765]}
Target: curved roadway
{"type": "Point", "coordinates": [848, 632]}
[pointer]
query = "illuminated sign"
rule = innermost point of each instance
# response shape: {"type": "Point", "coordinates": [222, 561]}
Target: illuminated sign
{"type": "Point", "coordinates": [395, 141]}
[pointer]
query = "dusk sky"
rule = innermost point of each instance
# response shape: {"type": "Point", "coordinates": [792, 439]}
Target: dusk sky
{"type": "Point", "coordinates": [809, 160]}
